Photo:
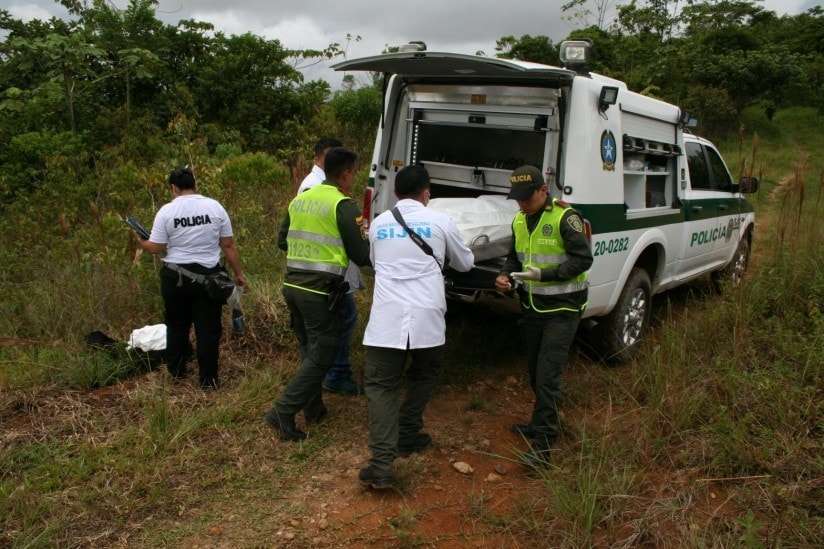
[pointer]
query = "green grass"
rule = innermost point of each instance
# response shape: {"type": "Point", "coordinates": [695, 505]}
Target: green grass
{"type": "Point", "coordinates": [164, 451]}
{"type": "Point", "coordinates": [402, 526]}
{"type": "Point", "coordinates": [792, 135]}
{"type": "Point", "coordinates": [68, 366]}
{"type": "Point", "coordinates": [584, 489]}
{"type": "Point", "coordinates": [477, 403]}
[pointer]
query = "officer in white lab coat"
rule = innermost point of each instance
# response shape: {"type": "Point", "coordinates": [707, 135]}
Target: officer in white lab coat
{"type": "Point", "coordinates": [407, 319]}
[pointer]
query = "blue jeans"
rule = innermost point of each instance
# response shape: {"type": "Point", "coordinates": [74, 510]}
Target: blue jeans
{"type": "Point", "coordinates": [342, 368]}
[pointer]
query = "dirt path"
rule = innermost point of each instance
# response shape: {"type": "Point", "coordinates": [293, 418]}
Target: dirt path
{"type": "Point", "coordinates": [436, 504]}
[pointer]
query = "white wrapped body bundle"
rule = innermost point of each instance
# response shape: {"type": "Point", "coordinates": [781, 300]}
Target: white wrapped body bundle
{"type": "Point", "coordinates": [485, 222]}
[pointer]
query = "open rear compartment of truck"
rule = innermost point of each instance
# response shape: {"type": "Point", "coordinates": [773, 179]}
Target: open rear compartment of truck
{"type": "Point", "coordinates": [471, 121]}
{"type": "Point", "coordinates": [471, 138]}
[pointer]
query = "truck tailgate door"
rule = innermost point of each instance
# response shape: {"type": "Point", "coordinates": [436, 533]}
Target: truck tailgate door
{"type": "Point", "coordinates": [426, 64]}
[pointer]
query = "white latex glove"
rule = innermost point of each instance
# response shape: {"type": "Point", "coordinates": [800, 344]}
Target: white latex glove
{"type": "Point", "coordinates": [531, 273]}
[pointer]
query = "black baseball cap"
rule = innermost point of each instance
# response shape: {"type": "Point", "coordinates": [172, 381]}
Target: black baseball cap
{"type": "Point", "coordinates": [524, 181]}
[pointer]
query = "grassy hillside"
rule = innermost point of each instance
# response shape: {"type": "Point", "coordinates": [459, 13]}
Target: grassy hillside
{"type": "Point", "coordinates": [712, 437]}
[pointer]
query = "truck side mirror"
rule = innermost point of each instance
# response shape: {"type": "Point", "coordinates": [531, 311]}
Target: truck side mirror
{"type": "Point", "coordinates": [748, 185]}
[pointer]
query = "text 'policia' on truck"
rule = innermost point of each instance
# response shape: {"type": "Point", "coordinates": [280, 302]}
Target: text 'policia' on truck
{"type": "Point", "coordinates": [659, 202]}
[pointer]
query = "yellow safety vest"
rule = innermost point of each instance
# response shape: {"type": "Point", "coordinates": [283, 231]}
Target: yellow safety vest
{"type": "Point", "coordinates": [314, 241]}
{"type": "Point", "coordinates": [544, 248]}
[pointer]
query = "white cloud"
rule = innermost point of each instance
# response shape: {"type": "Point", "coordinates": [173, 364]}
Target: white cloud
{"type": "Point", "coordinates": [296, 33]}
{"type": "Point", "coordinates": [299, 33]}
{"type": "Point", "coordinates": [787, 6]}
{"type": "Point", "coordinates": [229, 21]}
{"type": "Point", "coordinates": [27, 12]}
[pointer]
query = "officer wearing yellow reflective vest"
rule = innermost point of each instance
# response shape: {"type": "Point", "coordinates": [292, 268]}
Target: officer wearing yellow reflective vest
{"type": "Point", "coordinates": [321, 234]}
{"type": "Point", "coordinates": [548, 263]}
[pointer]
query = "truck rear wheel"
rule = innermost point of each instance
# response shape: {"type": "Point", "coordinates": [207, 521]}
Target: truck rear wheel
{"type": "Point", "coordinates": [734, 271]}
{"type": "Point", "coordinates": [620, 332]}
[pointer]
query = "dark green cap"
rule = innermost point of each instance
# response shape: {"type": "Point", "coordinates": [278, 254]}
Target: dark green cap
{"type": "Point", "coordinates": [524, 181]}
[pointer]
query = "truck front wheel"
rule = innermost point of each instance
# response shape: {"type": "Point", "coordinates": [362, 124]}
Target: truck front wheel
{"type": "Point", "coordinates": [621, 331]}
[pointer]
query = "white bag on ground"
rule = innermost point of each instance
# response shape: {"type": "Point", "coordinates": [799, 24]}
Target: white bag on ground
{"type": "Point", "coordinates": [148, 338]}
{"type": "Point", "coordinates": [484, 222]}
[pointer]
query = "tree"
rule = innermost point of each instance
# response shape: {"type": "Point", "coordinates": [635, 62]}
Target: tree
{"type": "Point", "coordinates": [708, 17]}
{"type": "Point", "coordinates": [357, 111]}
{"type": "Point", "coordinates": [656, 18]}
{"type": "Point", "coordinates": [135, 63]}
{"type": "Point", "coordinates": [589, 13]}
{"type": "Point", "coordinates": [750, 76]}
{"type": "Point", "coordinates": [65, 59]}
{"type": "Point", "coordinates": [538, 49]}
{"type": "Point", "coordinates": [247, 83]}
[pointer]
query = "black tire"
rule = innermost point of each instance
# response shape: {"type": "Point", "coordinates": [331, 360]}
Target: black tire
{"type": "Point", "coordinates": [619, 334]}
{"type": "Point", "coordinates": [733, 273]}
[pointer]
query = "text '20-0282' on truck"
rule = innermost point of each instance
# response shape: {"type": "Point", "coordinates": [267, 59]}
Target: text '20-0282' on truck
{"type": "Point", "coordinates": [659, 202]}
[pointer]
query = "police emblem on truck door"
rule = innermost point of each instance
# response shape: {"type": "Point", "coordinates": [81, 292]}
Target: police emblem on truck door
{"type": "Point", "coordinates": [609, 150]}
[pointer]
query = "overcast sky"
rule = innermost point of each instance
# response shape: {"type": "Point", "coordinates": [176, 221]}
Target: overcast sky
{"type": "Point", "coordinates": [463, 26]}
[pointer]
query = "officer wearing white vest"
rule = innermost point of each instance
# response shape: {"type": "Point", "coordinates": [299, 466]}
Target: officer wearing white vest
{"type": "Point", "coordinates": [320, 235]}
{"type": "Point", "coordinates": [549, 259]}
{"type": "Point", "coordinates": [409, 247]}
{"type": "Point", "coordinates": [192, 230]}
{"type": "Point", "coordinates": [339, 378]}
{"type": "Point", "coordinates": [317, 175]}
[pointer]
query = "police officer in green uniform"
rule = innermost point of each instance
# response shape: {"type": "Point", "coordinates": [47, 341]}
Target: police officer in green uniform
{"type": "Point", "coordinates": [320, 235]}
{"type": "Point", "coordinates": [548, 263]}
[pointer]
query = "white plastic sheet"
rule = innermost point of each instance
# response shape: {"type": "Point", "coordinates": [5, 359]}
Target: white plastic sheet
{"type": "Point", "coordinates": [148, 338]}
{"type": "Point", "coordinates": [485, 222]}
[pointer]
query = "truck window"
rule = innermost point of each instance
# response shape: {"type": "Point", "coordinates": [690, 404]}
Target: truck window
{"type": "Point", "coordinates": [721, 179]}
{"type": "Point", "coordinates": [699, 174]}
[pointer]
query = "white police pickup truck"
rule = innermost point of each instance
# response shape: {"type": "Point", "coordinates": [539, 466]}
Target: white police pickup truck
{"type": "Point", "coordinates": [660, 204]}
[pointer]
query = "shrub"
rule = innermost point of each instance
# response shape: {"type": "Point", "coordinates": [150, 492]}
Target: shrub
{"type": "Point", "coordinates": [713, 107]}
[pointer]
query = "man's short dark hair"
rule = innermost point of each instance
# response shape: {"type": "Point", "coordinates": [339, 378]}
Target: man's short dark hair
{"type": "Point", "coordinates": [411, 181]}
{"type": "Point", "coordinates": [338, 160]}
{"type": "Point", "coordinates": [326, 143]}
{"type": "Point", "coordinates": [182, 178]}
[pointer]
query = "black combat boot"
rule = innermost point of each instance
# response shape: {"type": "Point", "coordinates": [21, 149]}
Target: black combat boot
{"type": "Point", "coordinates": [315, 412]}
{"type": "Point", "coordinates": [413, 444]}
{"type": "Point", "coordinates": [524, 430]}
{"type": "Point", "coordinates": [377, 479]}
{"type": "Point", "coordinates": [284, 425]}
{"type": "Point", "coordinates": [345, 386]}
{"type": "Point", "coordinates": [538, 454]}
